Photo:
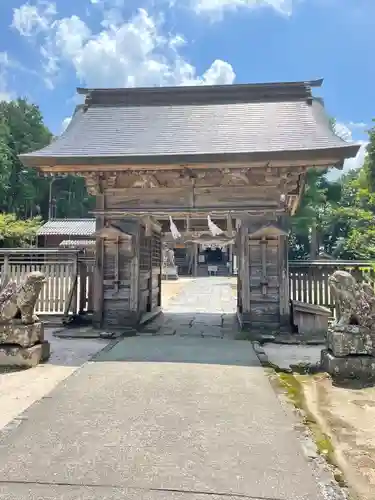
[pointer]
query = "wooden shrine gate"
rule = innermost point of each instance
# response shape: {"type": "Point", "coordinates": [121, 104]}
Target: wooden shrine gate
{"type": "Point", "coordinates": [129, 257]}
{"type": "Point", "coordinates": [147, 154]}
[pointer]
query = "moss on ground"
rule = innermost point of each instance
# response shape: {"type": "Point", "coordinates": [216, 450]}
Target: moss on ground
{"type": "Point", "coordinates": [292, 384]}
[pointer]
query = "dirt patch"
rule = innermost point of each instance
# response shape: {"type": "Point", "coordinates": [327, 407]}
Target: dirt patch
{"type": "Point", "coordinates": [347, 416]}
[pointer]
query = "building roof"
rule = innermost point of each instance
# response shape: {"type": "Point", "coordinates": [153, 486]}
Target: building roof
{"type": "Point", "coordinates": [77, 243]}
{"type": "Point", "coordinates": [195, 124]}
{"type": "Point", "coordinates": [68, 227]}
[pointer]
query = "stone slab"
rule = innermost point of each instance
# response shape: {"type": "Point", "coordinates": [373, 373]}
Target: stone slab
{"type": "Point", "coordinates": [24, 357]}
{"type": "Point", "coordinates": [170, 273]}
{"type": "Point", "coordinates": [354, 341]}
{"type": "Point", "coordinates": [22, 335]}
{"type": "Point", "coordinates": [350, 367]}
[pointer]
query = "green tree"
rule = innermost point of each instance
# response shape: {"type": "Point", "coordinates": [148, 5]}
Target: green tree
{"type": "Point", "coordinates": [370, 159]}
{"type": "Point", "coordinates": [16, 232]}
{"type": "Point", "coordinates": [22, 190]}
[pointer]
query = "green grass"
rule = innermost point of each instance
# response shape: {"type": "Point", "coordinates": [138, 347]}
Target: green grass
{"type": "Point", "coordinates": [293, 386]}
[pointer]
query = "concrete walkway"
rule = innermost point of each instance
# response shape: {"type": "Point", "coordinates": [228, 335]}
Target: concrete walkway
{"type": "Point", "coordinates": [162, 416]}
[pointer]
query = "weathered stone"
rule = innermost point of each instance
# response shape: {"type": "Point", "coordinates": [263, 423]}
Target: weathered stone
{"type": "Point", "coordinates": [166, 330]}
{"type": "Point", "coordinates": [350, 367]}
{"type": "Point", "coordinates": [350, 340]}
{"type": "Point", "coordinates": [169, 268]}
{"type": "Point", "coordinates": [355, 301]}
{"type": "Point", "coordinates": [22, 335]}
{"type": "Point", "coordinates": [8, 302]}
{"type": "Point", "coordinates": [19, 301]}
{"type": "Point", "coordinates": [27, 295]}
{"type": "Point", "coordinates": [24, 357]}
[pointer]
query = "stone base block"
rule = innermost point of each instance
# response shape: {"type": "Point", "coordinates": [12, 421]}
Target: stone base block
{"type": "Point", "coordinates": [351, 367]}
{"type": "Point", "coordinates": [170, 273]}
{"type": "Point", "coordinates": [350, 340]}
{"type": "Point", "coordinates": [24, 357]}
{"type": "Point", "coordinates": [22, 335]}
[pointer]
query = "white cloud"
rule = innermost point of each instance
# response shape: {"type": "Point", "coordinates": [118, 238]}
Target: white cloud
{"type": "Point", "coordinates": [345, 132]}
{"type": "Point", "coordinates": [30, 19]}
{"type": "Point", "coordinates": [65, 123]}
{"type": "Point", "coordinates": [216, 8]}
{"type": "Point", "coordinates": [358, 161]}
{"type": "Point", "coordinates": [358, 125]}
{"type": "Point", "coordinates": [121, 53]}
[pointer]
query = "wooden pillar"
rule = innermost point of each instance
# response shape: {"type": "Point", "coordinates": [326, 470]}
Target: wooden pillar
{"type": "Point", "coordinates": [99, 269]}
{"type": "Point", "coordinates": [82, 286]}
{"type": "Point", "coordinates": [148, 236]}
{"type": "Point", "coordinates": [134, 302]}
{"type": "Point", "coordinates": [90, 290]}
{"type": "Point", "coordinates": [284, 281]}
{"type": "Point", "coordinates": [243, 278]}
{"type": "Point", "coordinates": [195, 271]}
{"type": "Point", "coordinates": [160, 265]}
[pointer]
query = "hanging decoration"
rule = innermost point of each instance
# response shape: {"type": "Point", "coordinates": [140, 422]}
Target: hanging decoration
{"type": "Point", "coordinates": [214, 229]}
{"type": "Point", "coordinates": [173, 228]}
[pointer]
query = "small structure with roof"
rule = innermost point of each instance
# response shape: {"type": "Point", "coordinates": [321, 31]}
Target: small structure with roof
{"type": "Point", "coordinates": [62, 232]}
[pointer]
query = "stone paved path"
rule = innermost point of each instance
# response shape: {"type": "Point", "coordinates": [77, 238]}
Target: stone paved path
{"type": "Point", "coordinates": [205, 307]}
{"type": "Point", "coordinates": [160, 417]}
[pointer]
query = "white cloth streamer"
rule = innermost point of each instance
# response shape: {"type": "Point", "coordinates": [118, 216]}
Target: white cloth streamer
{"type": "Point", "coordinates": [175, 232]}
{"type": "Point", "coordinates": [214, 229]}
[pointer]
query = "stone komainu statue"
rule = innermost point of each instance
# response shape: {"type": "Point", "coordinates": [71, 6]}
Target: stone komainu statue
{"type": "Point", "coordinates": [355, 301]}
{"type": "Point", "coordinates": [168, 257]}
{"type": "Point", "coordinates": [18, 302]}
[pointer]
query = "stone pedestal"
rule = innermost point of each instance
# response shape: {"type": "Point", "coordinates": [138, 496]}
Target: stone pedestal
{"type": "Point", "coordinates": [350, 367]}
{"type": "Point", "coordinates": [22, 335]}
{"type": "Point", "coordinates": [350, 340]}
{"type": "Point", "coordinates": [350, 352]}
{"type": "Point", "coordinates": [23, 345]}
{"type": "Point", "coordinates": [170, 273]}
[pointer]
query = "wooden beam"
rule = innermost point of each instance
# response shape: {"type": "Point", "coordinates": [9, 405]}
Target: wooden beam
{"type": "Point", "coordinates": [199, 212]}
{"type": "Point", "coordinates": [53, 169]}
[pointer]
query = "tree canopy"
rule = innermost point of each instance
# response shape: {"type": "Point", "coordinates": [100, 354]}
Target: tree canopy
{"type": "Point", "coordinates": [24, 194]}
{"type": "Point", "coordinates": [338, 217]}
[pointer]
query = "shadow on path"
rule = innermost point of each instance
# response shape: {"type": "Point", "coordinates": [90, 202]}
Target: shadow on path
{"type": "Point", "coordinates": [175, 349]}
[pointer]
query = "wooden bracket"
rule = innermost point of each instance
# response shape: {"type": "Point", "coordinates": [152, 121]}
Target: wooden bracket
{"type": "Point", "coordinates": [93, 182]}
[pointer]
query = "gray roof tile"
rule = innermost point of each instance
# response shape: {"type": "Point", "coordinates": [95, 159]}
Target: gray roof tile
{"type": "Point", "coordinates": [222, 120]}
{"type": "Point", "coordinates": [68, 227]}
{"type": "Point", "coordinates": [77, 243]}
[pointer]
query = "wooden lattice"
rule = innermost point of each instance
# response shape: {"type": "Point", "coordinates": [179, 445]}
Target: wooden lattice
{"type": "Point", "coordinates": [155, 250]}
{"type": "Point", "coordinates": [144, 251]}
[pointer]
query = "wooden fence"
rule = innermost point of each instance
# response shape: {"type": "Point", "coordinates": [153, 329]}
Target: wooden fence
{"type": "Point", "coordinates": [308, 280]}
{"type": "Point", "coordinates": [68, 287]}
{"type": "Point", "coordinates": [69, 278]}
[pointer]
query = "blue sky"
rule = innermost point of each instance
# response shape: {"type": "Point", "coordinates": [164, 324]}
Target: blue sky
{"type": "Point", "coordinates": [47, 49]}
